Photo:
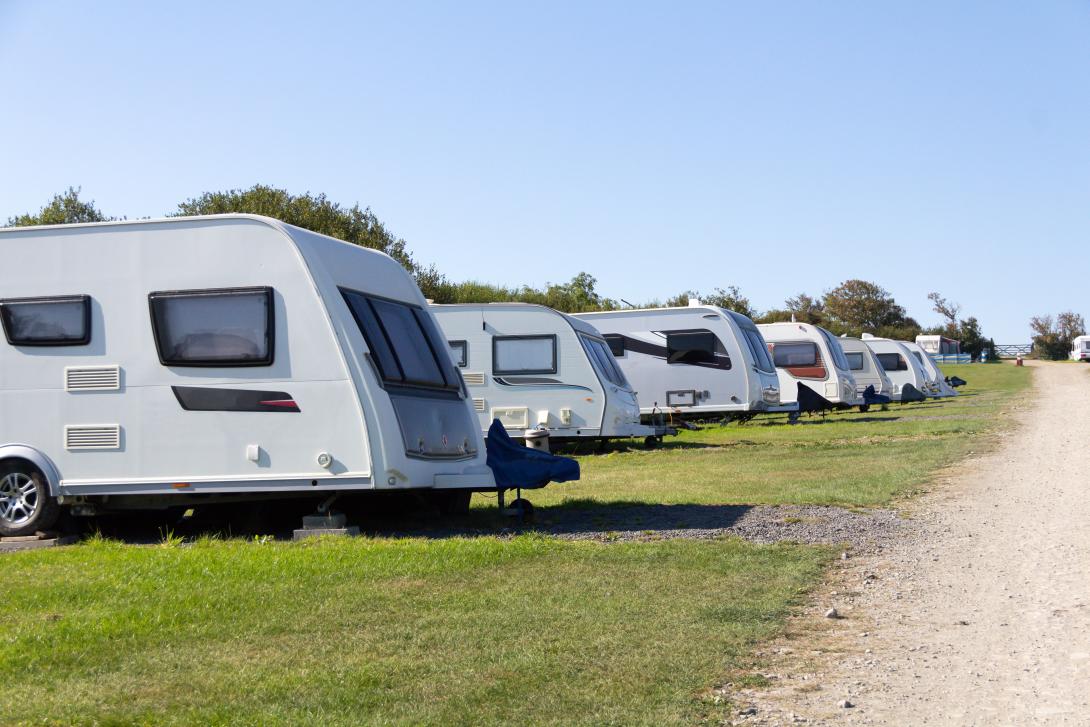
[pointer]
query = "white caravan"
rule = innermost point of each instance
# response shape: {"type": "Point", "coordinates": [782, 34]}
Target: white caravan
{"type": "Point", "coordinates": [178, 361]}
{"type": "Point", "coordinates": [536, 368]}
{"type": "Point", "coordinates": [808, 355]}
{"type": "Point", "coordinates": [939, 387]}
{"type": "Point", "coordinates": [699, 361]}
{"type": "Point", "coordinates": [865, 367]}
{"type": "Point", "coordinates": [1080, 348]}
{"type": "Point", "coordinates": [910, 381]}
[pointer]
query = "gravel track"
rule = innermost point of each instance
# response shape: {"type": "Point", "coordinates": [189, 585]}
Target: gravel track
{"type": "Point", "coordinates": [979, 613]}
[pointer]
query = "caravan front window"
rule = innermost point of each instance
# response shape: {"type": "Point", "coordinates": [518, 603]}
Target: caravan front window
{"type": "Point", "coordinates": [402, 342]}
{"type": "Point", "coordinates": [793, 355]}
{"type": "Point", "coordinates": [231, 327]}
{"type": "Point", "coordinates": [892, 362]}
{"type": "Point", "coordinates": [460, 351]}
{"type": "Point", "coordinates": [855, 360]}
{"type": "Point", "coordinates": [61, 321]}
{"type": "Point", "coordinates": [759, 349]}
{"type": "Point", "coordinates": [835, 349]}
{"type": "Point", "coordinates": [602, 360]}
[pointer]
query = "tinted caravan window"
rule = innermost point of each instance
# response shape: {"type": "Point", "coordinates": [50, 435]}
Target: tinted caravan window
{"type": "Point", "coordinates": [615, 343]}
{"type": "Point", "coordinates": [892, 361]}
{"type": "Point", "coordinates": [524, 354]}
{"type": "Point", "coordinates": [790, 355]}
{"type": "Point", "coordinates": [855, 360]}
{"type": "Point", "coordinates": [402, 341]}
{"type": "Point", "coordinates": [603, 361]}
{"type": "Point", "coordinates": [213, 327]}
{"type": "Point", "coordinates": [59, 321]}
{"type": "Point", "coordinates": [460, 351]}
{"type": "Point", "coordinates": [697, 348]}
{"type": "Point", "coordinates": [759, 349]}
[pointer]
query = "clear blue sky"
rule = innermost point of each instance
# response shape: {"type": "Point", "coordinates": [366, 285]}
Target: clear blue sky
{"type": "Point", "coordinates": [780, 147]}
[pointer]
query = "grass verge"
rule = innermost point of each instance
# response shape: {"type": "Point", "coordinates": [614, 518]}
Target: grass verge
{"type": "Point", "coordinates": [482, 631]}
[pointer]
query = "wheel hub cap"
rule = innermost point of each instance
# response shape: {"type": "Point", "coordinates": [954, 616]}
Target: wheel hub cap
{"type": "Point", "coordinates": [18, 498]}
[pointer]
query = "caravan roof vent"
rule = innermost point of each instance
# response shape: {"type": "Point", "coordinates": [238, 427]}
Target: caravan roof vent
{"type": "Point", "coordinates": [473, 378]}
{"type": "Point", "coordinates": [92, 378]}
{"type": "Point", "coordinates": [92, 436]}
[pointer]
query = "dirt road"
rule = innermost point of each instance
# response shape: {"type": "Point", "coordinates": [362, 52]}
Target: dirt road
{"type": "Point", "coordinates": [981, 615]}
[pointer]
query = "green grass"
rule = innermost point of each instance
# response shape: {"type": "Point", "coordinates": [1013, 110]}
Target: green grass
{"type": "Point", "coordinates": [850, 459]}
{"type": "Point", "coordinates": [488, 630]}
{"type": "Point", "coordinates": [482, 631]}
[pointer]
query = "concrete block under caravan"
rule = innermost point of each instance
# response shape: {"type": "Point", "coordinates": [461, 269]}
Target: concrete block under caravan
{"type": "Point", "coordinates": [176, 361]}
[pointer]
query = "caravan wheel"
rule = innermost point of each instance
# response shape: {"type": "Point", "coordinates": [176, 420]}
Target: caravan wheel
{"type": "Point", "coordinates": [25, 504]}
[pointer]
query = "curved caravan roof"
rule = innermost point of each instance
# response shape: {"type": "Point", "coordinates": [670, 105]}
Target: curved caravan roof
{"type": "Point", "coordinates": [578, 325]}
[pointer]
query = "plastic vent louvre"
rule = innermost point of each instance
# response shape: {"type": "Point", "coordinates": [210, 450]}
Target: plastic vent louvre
{"type": "Point", "coordinates": [92, 378]}
{"type": "Point", "coordinates": [478, 404]}
{"type": "Point", "coordinates": [473, 378]}
{"type": "Point", "coordinates": [92, 436]}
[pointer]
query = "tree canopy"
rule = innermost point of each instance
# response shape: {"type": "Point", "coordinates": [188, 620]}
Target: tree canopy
{"type": "Point", "coordinates": [64, 209]}
{"type": "Point", "coordinates": [1052, 337]}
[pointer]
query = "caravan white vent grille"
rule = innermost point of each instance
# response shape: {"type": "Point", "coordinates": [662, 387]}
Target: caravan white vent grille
{"type": "Point", "coordinates": [473, 378]}
{"type": "Point", "coordinates": [92, 436]}
{"type": "Point", "coordinates": [92, 378]}
{"type": "Point", "coordinates": [478, 404]}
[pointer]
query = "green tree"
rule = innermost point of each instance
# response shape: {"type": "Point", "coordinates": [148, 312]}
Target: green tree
{"type": "Point", "coordinates": [1053, 336]}
{"type": "Point", "coordinates": [730, 298]}
{"type": "Point", "coordinates": [64, 209]}
{"type": "Point", "coordinates": [857, 306]}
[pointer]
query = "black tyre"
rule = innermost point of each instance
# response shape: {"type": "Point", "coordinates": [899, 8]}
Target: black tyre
{"type": "Point", "coordinates": [26, 506]}
{"type": "Point", "coordinates": [650, 442]}
{"type": "Point", "coordinates": [524, 508]}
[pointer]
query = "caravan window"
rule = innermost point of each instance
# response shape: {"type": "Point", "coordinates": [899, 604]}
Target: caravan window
{"type": "Point", "coordinates": [791, 355]}
{"type": "Point", "coordinates": [918, 357]}
{"type": "Point", "coordinates": [835, 350]}
{"type": "Point", "coordinates": [460, 351]}
{"type": "Point", "coordinates": [855, 360]}
{"type": "Point", "coordinates": [602, 360]}
{"type": "Point", "coordinates": [759, 349]}
{"type": "Point", "coordinates": [524, 354]}
{"type": "Point", "coordinates": [403, 342]}
{"type": "Point", "coordinates": [615, 342]}
{"type": "Point", "coordinates": [696, 347]}
{"type": "Point", "coordinates": [60, 321]}
{"type": "Point", "coordinates": [213, 327]}
{"type": "Point", "coordinates": [892, 361]}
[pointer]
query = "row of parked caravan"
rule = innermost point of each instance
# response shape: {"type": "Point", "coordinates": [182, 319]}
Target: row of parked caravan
{"type": "Point", "coordinates": [637, 373]}
{"type": "Point", "coordinates": [195, 360]}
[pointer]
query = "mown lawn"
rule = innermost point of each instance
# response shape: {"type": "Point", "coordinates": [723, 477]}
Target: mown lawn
{"type": "Point", "coordinates": [489, 630]}
{"type": "Point", "coordinates": [528, 630]}
{"type": "Point", "coordinates": [851, 459]}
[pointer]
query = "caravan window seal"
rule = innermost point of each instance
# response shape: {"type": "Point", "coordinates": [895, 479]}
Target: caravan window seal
{"type": "Point", "coordinates": [552, 369]}
{"type": "Point", "coordinates": [6, 316]}
{"type": "Point", "coordinates": [158, 332]}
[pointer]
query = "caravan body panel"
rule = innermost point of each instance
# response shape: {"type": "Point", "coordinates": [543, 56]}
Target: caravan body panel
{"type": "Point", "coordinates": [809, 355]}
{"type": "Point", "coordinates": [531, 366]}
{"type": "Point", "coordinates": [899, 364]}
{"type": "Point", "coordinates": [699, 360]}
{"type": "Point", "coordinates": [865, 367]}
{"type": "Point", "coordinates": [938, 386]}
{"type": "Point", "coordinates": [130, 412]}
